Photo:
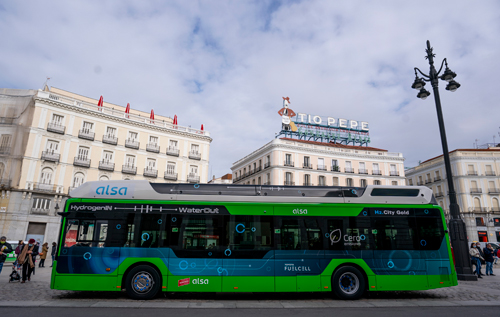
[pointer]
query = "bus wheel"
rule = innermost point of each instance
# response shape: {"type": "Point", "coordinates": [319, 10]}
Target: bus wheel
{"type": "Point", "coordinates": [348, 283]}
{"type": "Point", "coordinates": [143, 282]}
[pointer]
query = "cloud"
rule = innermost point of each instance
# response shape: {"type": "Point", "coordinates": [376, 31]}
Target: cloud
{"type": "Point", "coordinates": [227, 64]}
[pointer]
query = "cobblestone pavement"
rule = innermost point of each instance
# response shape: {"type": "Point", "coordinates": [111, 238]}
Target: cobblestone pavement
{"type": "Point", "coordinates": [38, 289]}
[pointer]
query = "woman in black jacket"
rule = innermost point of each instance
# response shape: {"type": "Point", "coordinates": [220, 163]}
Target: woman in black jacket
{"type": "Point", "coordinates": [27, 258]}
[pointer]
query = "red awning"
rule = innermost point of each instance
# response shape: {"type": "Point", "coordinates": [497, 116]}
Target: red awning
{"type": "Point", "coordinates": [152, 116]}
{"type": "Point", "coordinates": [100, 103]}
{"type": "Point", "coordinates": [175, 119]}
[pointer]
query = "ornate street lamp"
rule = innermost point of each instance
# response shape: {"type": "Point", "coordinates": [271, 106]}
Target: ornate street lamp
{"type": "Point", "coordinates": [458, 234]}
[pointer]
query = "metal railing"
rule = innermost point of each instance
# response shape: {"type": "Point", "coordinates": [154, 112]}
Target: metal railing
{"type": "Point", "coordinates": [43, 187]}
{"type": "Point", "coordinates": [471, 173]}
{"type": "Point", "coordinates": [493, 190]}
{"type": "Point", "coordinates": [132, 143]}
{"type": "Point", "coordinates": [109, 139]}
{"type": "Point", "coordinates": [170, 176]}
{"type": "Point", "coordinates": [153, 147]}
{"type": "Point", "coordinates": [394, 173]}
{"type": "Point", "coordinates": [40, 211]}
{"type": "Point", "coordinates": [4, 150]}
{"type": "Point", "coordinates": [490, 173]}
{"type": "Point", "coordinates": [335, 168]}
{"type": "Point", "coordinates": [86, 134]}
{"type": "Point", "coordinates": [378, 172]}
{"type": "Point", "coordinates": [266, 165]}
{"type": "Point", "coordinates": [439, 194]}
{"type": "Point", "coordinates": [81, 161]}
{"type": "Point", "coordinates": [478, 209]}
{"type": "Point", "coordinates": [307, 165]}
{"type": "Point", "coordinates": [172, 151]}
{"type": "Point", "coordinates": [321, 168]}
{"type": "Point", "coordinates": [50, 156]}
{"type": "Point", "coordinates": [150, 172]}
{"type": "Point", "coordinates": [476, 190]}
{"type": "Point", "coordinates": [129, 169]}
{"type": "Point", "coordinates": [288, 163]}
{"type": "Point", "coordinates": [437, 179]}
{"type": "Point", "coordinates": [349, 170]}
{"type": "Point", "coordinates": [428, 181]}
{"type": "Point", "coordinates": [289, 183]}
{"type": "Point", "coordinates": [362, 171]}
{"type": "Point", "coordinates": [106, 165]}
{"type": "Point", "coordinates": [307, 184]}
{"type": "Point", "coordinates": [194, 155]}
{"type": "Point", "coordinates": [420, 183]}
{"type": "Point", "coordinates": [56, 128]}
{"type": "Point", "coordinates": [193, 178]}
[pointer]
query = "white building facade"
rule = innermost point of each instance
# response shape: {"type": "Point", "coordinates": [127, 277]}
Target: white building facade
{"type": "Point", "coordinates": [71, 140]}
{"type": "Point", "coordinates": [289, 162]}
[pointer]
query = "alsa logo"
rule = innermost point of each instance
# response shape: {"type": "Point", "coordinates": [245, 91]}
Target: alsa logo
{"type": "Point", "coordinates": [200, 281]}
{"type": "Point", "coordinates": [111, 191]}
{"type": "Point", "coordinates": [195, 281]}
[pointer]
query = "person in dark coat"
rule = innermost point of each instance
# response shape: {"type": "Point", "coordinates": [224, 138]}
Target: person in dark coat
{"type": "Point", "coordinates": [27, 258]}
{"type": "Point", "coordinates": [5, 248]}
{"type": "Point", "coordinates": [53, 252]}
{"type": "Point", "coordinates": [488, 258]}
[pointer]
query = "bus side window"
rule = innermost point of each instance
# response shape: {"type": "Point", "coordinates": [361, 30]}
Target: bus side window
{"type": "Point", "coordinates": [150, 232]}
{"type": "Point", "coordinates": [430, 233]}
{"type": "Point", "coordinates": [313, 233]}
{"type": "Point", "coordinates": [120, 232]}
{"type": "Point", "coordinates": [394, 233]}
{"type": "Point", "coordinates": [291, 238]}
{"type": "Point", "coordinates": [249, 232]}
{"type": "Point", "coordinates": [71, 231]}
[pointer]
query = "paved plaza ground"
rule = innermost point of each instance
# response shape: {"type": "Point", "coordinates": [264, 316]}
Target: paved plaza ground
{"type": "Point", "coordinates": [484, 292]}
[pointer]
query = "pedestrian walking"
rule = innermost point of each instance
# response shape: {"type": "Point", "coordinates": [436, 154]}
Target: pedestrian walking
{"type": "Point", "coordinates": [27, 258]}
{"type": "Point", "coordinates": [53, 252]}
{"type": "Point", "coordinates": [5, 248]}
{"type": "Point", "coordinates": [43, 254]}
{"type": "Point", "coordinates": [488, 258]}
{"type": "Point", "coordinates": [476, 257]}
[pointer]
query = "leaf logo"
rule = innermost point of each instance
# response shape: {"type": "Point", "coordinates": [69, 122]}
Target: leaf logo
{"type": "Point", "coordinates": [335, 236]}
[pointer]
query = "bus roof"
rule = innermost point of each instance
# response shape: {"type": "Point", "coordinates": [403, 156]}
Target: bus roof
{"type": "Point", "coordinates": [144, 190]}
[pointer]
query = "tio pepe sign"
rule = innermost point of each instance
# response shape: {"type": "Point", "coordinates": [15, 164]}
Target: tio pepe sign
{"type": "Point", "coordinates": [332, 122]}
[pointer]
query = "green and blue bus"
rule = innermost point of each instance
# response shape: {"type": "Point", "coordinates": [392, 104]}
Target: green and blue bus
{"type": "Point", "coordinates": [143, 238]}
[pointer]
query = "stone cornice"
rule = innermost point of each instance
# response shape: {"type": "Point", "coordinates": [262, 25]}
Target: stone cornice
{"type": "Point", "coordinates": [440, 163]}
{"type": "Point", "coordinates": [107, 117]}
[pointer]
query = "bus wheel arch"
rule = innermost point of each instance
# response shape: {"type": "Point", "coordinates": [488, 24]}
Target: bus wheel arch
{"type": "Point", "coordinates": [349, 281]}
{"type": "Point", "coordinates": [148, 280]}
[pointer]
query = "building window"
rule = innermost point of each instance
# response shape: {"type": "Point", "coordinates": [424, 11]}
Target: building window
{"type": "Point", "coordinates": [130, 160]}
{"type": "Point", "coordinates": [46, 176]}
{"type": "Point", "coordinates": [428, 180]}
{"type": "Point", "coordinates": [268, 179]}
{"type": "Point", "coordinates": [258, 181]}
{"type": "Point", "coordinates": [52, 146]}
{"type": "Point", "coordinates": [420, 182]}
{"type": "Point", "coordinates": [172, 144]}
{"type": "Point", "coordinates": [111, 132]}
{"type": "Point", "coordinates": [362, 183]}
{"type": "Point", "coordinates": [133, 136]}
{"type": "Point", "coordinates": [87, 127]}
{"type": "Point", "coordinates": [153, 140]}
{"type": "Point", "coordinates": [195, 148]}
{"type": "Point", "coordinates": [394, 171]}
{"type": "Point", "coordinates": [151, 164]}
{"type": "Point", "coordinates": [477, 204]}
{"type": "Point", "coordinates": [288, 159]}
{"type": "Point", "coordinates": [480, 222]}
{"type": "Point", "coordinates": [83, 153]}
{"type": "Point", "coordinates": [410, 182]}
{"type": "Point", "coordinates": [57, 119]}
{"type": "Point", "coordinates": [438, 177]}
{"type": "Point", "coordinates": [394, 183]}
{"type": "Point", "coordinates": [41, 203]}
{"type": "Point", "coordinates": [321, 181]}
{"type": "Point", "coordinates": [288, 179]}
{"type": "Point", "coordinates": [107, 156]}
{"type": "Point", "coordinates": [5, 143]}
{"type": "Point", "coordinates": [376, 182]}
{"type": "Point", "coordinates": [193, 169]}
{"type": "Point", "coordinates": [348, 167]}
{"type": "Point", "coordinates": [78, 179]}
{"type": "Point", "coordinates": [348, 182]}
{"type": "Point", "coordinates": [307, 180]}
{"type": "Point", "coordinates": [104, 178]}
{"type": "Point", "coordinates": [471, 171]}
{"type": "Point", "coordinates": [362, 168]}
{"type": "Point", "coordinates": [170, 168]}
{"type": "Point", "coordinates": [307, 162]}
{"type": "Point", "coordinates": [335, 181]}
{"type": "Point", "coordinates": [321, 164]}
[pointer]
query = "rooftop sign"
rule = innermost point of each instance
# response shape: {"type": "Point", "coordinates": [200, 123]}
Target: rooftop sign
{"type": "Point", "coordinates": [317, 128]}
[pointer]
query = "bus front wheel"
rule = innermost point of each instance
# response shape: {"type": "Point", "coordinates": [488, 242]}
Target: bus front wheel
{"type": "Point", "coordinates": [348, 283]}
{"type": "Point", "coordinates": [143, 282]}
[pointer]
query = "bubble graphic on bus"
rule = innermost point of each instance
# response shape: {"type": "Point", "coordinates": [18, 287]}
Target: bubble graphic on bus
{"type": "Point", "coordinates": [87, 256]}
{"type": "Point", "coordinates": [241, 230]}
{"type": "Point", "coordinates": [118, 226]}
{"type": "Point", "coordinates": [390, 264]}
{"type": "Point", "coordinates": [227, 252]}
{"type": "Point", "coordinates": [145, 236]}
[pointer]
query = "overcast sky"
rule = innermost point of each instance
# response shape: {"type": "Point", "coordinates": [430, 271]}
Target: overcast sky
{"type": "Point", "coordinates": [226, 64]}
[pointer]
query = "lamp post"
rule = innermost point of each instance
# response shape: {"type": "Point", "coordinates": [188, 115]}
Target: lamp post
{"type": "Point", "coordinates": [458, 234]}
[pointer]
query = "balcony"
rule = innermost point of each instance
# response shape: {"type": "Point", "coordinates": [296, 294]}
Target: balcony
{"type": "Point", "coordinates": [50, 156]}
{"type": "Point", "coordinates": [150, 172]}
{"type": "Point", "coordinates": [289, 183]}
{"type": "Point", "coordinates": [335, 168]}
{"type": "Point", "coordinates": [106, 166]}
{"type": "Point", "coordinates": [321, 168]}
{"type": "Point", "coordinates": [4, 150]}
{"type": "Point", "coordinates": [394, 173]}
{"type": "Point", "coordinates": [439, 194]}
{"type": "Point", "coordinates": [349, 170]}
{"type": "Point", "coordinates": [42, 187]}
{"type": "Point", "coordinates": [471, 173]}
{"type": "Point", "coordinates": [266, 165]}
{"type": "Point", "coordinates": [307, 165]}
{"type": "Point", "coordinates": [258, 169]}
{"type": "Point", "coordinates": [170, 176]}
{"type": "Point", "coordinates": [129, 169]}
{"type": "Point", "coordinates": [428, 181]}
{"type": "Point", "coordinates": [307, 184]}
{"type": "Point", "coordinates": [56, 128]}
{"type": "Point", "coordinates": [39, 211]}
{"type": "Point", "coordinates": [362, 171]}
{"type": "Point", "coordinates": [194, 155]}
{"type": "Point", "coordinates": [420, 183]}
{"type": "Point", "coordinates": [478, 209]}
{"type": "Point", "coordinates": [289, 164]}
{"type": "Point", "coordinates": [267, 183]}
{"type": "Point", "coordinates": [86, 134]}
{"type": "Point", "coordinates": [193, 178]}
{"type": "Point", "coordinates": [153, 147]}
{"type": "Point", "coordinates": [476, 190]}
{"type": "Point", "coordinates": [132, 144]}
{"type": "Point", "coordinates": [376, 172]}
{"type": "Point", "coordinates": [109, 139]}
{"type": "Point", "coordinates": [172, 151]}
{"type": "Point", "coordinates": [495, 209]}
{"type": "Point", "coordinates": [82, 161]}
{"type": "Point", "coordinates": [493, 190]}
{"type": "Point", "coordinates": [437, 179]}
{"type": "Point", "coordinates": [490, 173]}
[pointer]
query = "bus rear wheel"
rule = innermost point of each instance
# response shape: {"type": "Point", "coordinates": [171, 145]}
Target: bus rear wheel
{"type": "Point", "coordinates": [348, 283]}
{"type": "Point", "coordinates": [143, 282]}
